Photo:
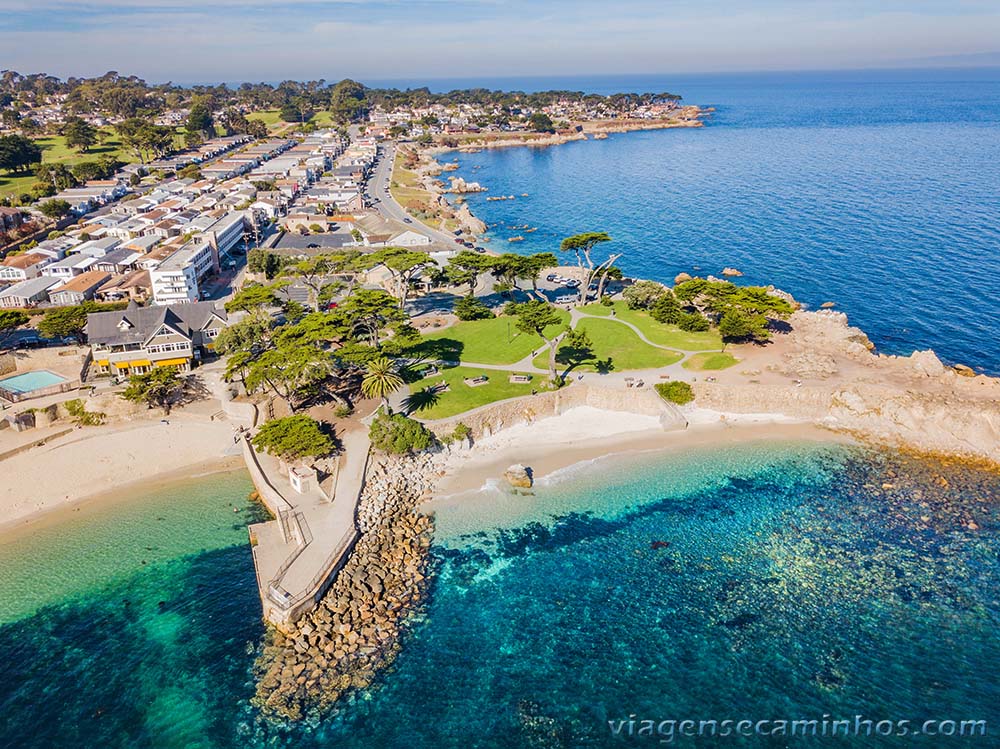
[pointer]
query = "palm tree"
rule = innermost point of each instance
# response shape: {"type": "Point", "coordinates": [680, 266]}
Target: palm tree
{"type": "Point", "coordinates": [382, 379]}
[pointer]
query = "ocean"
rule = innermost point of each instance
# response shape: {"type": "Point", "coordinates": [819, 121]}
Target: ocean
{"type": "Point", "coordinates": [876, 190]}
{"type": "Point", "coordinates": [771, 581]}
{"type": "Point", "coordinates": [768, 581]}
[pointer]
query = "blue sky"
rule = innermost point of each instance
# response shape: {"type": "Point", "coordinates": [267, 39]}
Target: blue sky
{"type": "Point", "coordinates": [235, 40]}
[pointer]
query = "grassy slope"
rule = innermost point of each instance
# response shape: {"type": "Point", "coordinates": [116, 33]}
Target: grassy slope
{"type": "Point", "coordinates": [461, 397]}
{"type": "Point", "coordinates": [405, 189]}
{"type": "Point", "coordinates": [612, 340]}
{"type": "Point", "coordinates": [55, 151]}
{"type": "Point", "coordinates": [483, 341]}
{"type": "Point", "coordinates": [658, 333]}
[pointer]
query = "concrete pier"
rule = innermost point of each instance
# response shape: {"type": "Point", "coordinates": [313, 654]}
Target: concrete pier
{"type": "Point", "coordinates": [297, 555]}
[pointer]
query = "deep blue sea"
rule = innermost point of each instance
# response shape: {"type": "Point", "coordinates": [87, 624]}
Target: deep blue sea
{"type": "Point", "coordinates": [877, 190]}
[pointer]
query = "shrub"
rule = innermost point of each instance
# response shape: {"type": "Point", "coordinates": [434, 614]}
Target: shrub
{"type": "Point", "coordinates": [643, 294]}
{"type": "Point", "coordinates": [692, 322]}
{"type": "Point", "coordinates": [666, 309]}
{"type": "Point", "coordinates": [607, 301]}
{"type": "Point", "coordinates": [461, 432]}
{"type": "Point", "coordinates": [470, 308]}
{"type": "Point", "coordinates": [343, 411]}
{"type": "Point", "coordinates": [675, 391]}
{"type": "Point", "coordinates": [80, 415]}
{"type": "Point", "coordinates": [399, 434]}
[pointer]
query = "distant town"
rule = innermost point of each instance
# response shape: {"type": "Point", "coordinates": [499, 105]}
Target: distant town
{"type": "Point", "coordinates": [115, 190]}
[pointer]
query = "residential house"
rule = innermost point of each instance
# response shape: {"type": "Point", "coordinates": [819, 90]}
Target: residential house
{"type": "Point", "coordinates": [79, 289]}
{"type": "Point", "coordinates": [137, 339]}
{"type": "Point", "coordinates": [10, 218]}
{"type": "Point", "coordinates": [22, 267]}
{"type": "Point", "coordinates": [28, 293]}
{"type": "Point", "coordinates": [135, 286]}
{"type": "Point", "coordinates": [69, 266]}
{"type": "Point", "coordinates": [119, 260]}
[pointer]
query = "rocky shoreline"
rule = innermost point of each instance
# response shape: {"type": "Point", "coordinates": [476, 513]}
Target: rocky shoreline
{"type": "Point", "coordinates": [430, 168]}
{"type": "Point", "coordinates": [355, 630]}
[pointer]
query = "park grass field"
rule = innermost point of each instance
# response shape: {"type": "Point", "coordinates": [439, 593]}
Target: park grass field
{"type": "Point", "coordinates": [492, 341]}
{"type": "Point", "coordinates": [55, 151]}
{"type": "Point", "coordinates": [615, 343]}
{"type": "Point", "coordinates": [658, 333]}
{"type": "Point", "coordinates": [709, 361]}
{"type": "Point", "coordinates": [461, 397]}
{"type": "Point", "coordinates": [270, 117]}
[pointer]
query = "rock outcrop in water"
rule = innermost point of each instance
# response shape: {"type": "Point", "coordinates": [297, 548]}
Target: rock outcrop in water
{"type": "Point", "coordinates": [355, 630]}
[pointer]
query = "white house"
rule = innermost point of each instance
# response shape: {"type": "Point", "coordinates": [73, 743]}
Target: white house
{"type": "Point", "coordinates": [410, 238]}
{"type": "Point", "coordinates": [28, 293]}
{"type": "Point", "coordinates": [22, 267]}
{"type": "Point", "coordinates": [68, 267]}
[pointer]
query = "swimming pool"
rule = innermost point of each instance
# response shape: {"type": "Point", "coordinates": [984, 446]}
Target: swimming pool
{"type": "Point", "coordinates": [28, 382]}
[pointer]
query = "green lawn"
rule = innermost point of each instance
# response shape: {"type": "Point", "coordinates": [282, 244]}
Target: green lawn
{"type": "Point", "coordinates": [597, 309]}
{"type": "Point", "coordinates": [55, 151]}
{"type": "Point", "coordinates": [494, 341]}
{"type": "Point", "coordinates": [710, 361]}
{"type": "Point", "coordinates": [614, 341]}
{"type": "Point", "coordinates": [270, 117]}
{"type": "Point", "coordinates": [658, 333]}
{"type": "Point", "coordinates": [460, 397]}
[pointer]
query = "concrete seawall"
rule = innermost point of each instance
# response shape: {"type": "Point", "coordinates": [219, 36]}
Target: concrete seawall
{"type": "Point", "coordinates": [494, 417]}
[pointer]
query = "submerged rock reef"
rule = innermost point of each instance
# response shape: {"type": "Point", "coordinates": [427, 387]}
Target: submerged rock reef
{"type": "Point", "coordinates": [355, 629]}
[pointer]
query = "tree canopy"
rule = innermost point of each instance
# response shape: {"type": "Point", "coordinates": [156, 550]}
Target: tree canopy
{"type": "Point", "coordinates": [18, 153]}
{"type": "Point", "coordinates": [293, 438]}
{"type": "Point", "coordinates": [156, 388]}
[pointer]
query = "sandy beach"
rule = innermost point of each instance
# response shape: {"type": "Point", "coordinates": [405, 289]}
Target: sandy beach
{"type": "Point", "coordinates": [92, 462]}
{"type": "Point", "coordinates": [584, 434]}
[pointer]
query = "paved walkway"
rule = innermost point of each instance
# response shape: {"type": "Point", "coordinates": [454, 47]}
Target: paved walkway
{"type": "Point", "coordinates": [322, 530]}
{"type": "Point", "coordinates": [675, 371]}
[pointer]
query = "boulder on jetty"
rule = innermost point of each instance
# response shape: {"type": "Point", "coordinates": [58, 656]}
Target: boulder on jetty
{"type": "Point", "coordinates": [963, 370]}
{"type": "Point", "coordinates": [681, 278]}
{"type": "Point", "coordinates": [828, 305]}
{"type": "Point", "coordinates": [731, 272]}
{"type": "Point", "coordinates": [518, 476]}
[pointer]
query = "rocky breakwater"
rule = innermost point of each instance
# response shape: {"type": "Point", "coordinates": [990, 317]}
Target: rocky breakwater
{"type": "Point", "coordinates": [355, 630]}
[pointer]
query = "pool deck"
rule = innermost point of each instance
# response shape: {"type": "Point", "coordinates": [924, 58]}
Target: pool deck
{"type": "Point", "coordinates": [36, 383]}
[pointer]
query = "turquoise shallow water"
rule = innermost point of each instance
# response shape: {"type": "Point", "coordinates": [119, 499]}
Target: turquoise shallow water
{"type": "Point", "coordinates": [762, 581]}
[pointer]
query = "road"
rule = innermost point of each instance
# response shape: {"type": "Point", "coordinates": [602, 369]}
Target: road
{"type": "Point", "coordinates": [387, 207]}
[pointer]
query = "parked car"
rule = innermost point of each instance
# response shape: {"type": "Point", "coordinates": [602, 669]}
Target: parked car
{"type": "Point", "coordinates": [551, 277]}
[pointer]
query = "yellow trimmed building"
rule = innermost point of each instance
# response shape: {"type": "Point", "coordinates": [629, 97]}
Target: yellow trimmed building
{"type": "Point", "coordinates": [137, 339]}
